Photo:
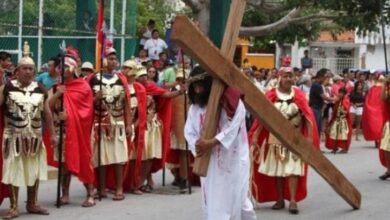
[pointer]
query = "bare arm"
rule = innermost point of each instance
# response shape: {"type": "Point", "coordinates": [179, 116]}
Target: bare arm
{"type": "Point", "coordinates": [53, 98]}
{"type": "Point", "coordinates": [169, 85]}
{"type": "Point", "coordinates": [128, 112]}
{"type": "Point", "coordinates": [384, 93]}
{"type": "Point", "coordinates": [172, 94]}
{"type": "Point", "coordinates": [327, 98]}
{"type": "Point", "coordinates": [48, 121]}
{"type": "Point", "coordinates": [1, 95]}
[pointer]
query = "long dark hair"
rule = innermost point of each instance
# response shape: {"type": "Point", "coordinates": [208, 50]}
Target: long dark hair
{"type": "Point", "coordinates": [356, 87]}
{"type": "Point", "coordinates": [203, 98]}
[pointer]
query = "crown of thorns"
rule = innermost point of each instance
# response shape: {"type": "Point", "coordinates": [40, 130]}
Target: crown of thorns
{"type": "Point", "coordinates": [196, 78]}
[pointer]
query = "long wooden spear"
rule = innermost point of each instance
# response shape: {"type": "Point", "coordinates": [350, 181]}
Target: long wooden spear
{"type": "Point", "coordinates": [185, 118]}
{"type": "Point", "coordinates": [100, 54]}
{"type": "Point", "coordinates": [61, 138]}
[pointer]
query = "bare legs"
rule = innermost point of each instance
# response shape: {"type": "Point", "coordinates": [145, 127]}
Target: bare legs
{"type": "Point", "coordinates": [119, 182]}
{"type": "Point", "coordinates": [13, 210]}
{"type": "Point", "coordinates": [293, 186]}
{"type": "Point", "coordinates": [183, 169]}
{"type": "Point", "coordinates": [66, 178]}
{"type": "Point", "coordinates": [146, 176]}
{"type": "Point", "coordinates": [387, 174]}
{"type": "Point", "coordinates": [356, 120]}
{"type": "Point", "coordinates": [358, 126]}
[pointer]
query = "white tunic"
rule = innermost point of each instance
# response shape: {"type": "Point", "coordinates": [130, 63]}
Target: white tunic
{"type": "Point", "coordinates": [225, 189]}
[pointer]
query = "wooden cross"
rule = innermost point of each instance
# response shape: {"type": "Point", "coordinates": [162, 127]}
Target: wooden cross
{"type": "Point", "coordinates": [233, 24]}
{"type": "Point", "coordinates": [195, 43]}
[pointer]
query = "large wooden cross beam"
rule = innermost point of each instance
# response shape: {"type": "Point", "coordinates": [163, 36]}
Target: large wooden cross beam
{"type": "Point", "coordinates": [233, 24]}
{"type": "Point", "coordinates": [195, 43]}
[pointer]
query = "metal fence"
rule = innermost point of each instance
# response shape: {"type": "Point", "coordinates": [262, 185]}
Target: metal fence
{"type": "Point", "coordinates": [44, 24]}
{"type": "Point", "coordinates": [336, 65]}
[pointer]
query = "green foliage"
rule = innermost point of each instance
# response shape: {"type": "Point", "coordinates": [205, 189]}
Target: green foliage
{"type": "Point", "coordinates": [360, 15]}
{"type": "Point", "coordinates": [157, 10]}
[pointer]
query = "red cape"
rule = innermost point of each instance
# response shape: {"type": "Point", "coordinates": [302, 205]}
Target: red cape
{"type": "Point", "coordinates": [373, 117]}
{"type": "Point", "coordinates": [133, 177]}
{"type": "Point", "coordinates": [78, 103]}
{"type": "Point", "coordinates": [264, 187]}
{"type": "Point", "coordinates": [164, 111]}
{"type": "Point", "coordinates": [4, 189]}
{"type": "Point", "coordinates": [330, 143]}
{"type": "Point", "coordinates": [385, 118]}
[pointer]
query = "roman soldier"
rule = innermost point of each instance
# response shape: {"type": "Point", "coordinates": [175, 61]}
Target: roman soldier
{"type": "Point", "coordinates": [279, 174]}
{"type": "Point", "coordinates": [339, 132]}
{"type": "Point", "coordinates": [77, 118]}
{"type": "Point", "coordinates": [138, 106]}
{"type": "Point", "coordinates": [26, 111]}
{"type": "Point", "coordinates": [374, 112]}
{"type": "Point", "coordinates": [157, 133]}
{"type": "Point", "coordinates": [177, 155]}
{"type": "Point", "coordinates": [113, 106]}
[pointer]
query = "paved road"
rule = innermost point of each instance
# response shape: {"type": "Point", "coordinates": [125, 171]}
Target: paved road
{"type": "Point", "coordinates": [361, 166]}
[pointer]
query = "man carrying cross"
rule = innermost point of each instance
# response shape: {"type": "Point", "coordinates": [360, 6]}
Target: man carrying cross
{"type": "Point", "coordinates": [225, 189]}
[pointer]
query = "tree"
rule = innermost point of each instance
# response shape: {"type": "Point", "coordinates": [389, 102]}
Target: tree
{"type": "Point", "coordinates": [157, 10]}
{"type": "Point", "coordinates": [288, 20]}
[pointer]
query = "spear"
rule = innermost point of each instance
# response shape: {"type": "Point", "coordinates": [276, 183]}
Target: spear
{"type": "Point", "coordinates": [384, 43]}
{"type": "Point", "coordinates": [61, 138]}
{"type": "Point", "coordinates": [185, 118]}
{"type": "Point", "coordinates": [100, 54]}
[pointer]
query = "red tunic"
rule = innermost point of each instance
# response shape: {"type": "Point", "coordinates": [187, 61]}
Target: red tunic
{"type": "Point", "coordinates": [4, 189]}
{"type": "Point", "coordinates": [373, 117]}
{"type": "Point", "coordinates": [78, 103]}
{"type": "Point", "coordinates": [386, 115]}
{"type": "Point", "coordinates": [133, 176]}
{"type": "Point", "coordinates": [330, 143]}
{"type": "Point", "coordinates": [264, 187]}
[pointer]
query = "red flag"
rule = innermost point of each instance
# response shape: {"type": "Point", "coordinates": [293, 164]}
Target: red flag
{"type": "Point", "coordinates": [99, 36]}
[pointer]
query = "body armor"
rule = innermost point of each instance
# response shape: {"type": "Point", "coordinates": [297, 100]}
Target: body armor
{"type": "Point", "coordinates": [24, 108]}
{"type": "Point", "coordinates": [285, 104]}
{"type": "Point", "coordinates": [113, 106]}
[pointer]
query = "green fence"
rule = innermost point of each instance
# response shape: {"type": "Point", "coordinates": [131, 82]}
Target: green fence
{"type": "Point", "coordinates": [72, 21]}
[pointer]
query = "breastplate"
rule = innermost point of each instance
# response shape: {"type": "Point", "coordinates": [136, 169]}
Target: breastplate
{"type": "Point", "coordinates": [113, 98]}
{"type": "Point", "coordinates": [24, 108]}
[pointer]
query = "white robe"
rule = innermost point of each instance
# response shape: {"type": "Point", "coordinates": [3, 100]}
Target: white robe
{"type": "Point", "coordinates": [225, 189]}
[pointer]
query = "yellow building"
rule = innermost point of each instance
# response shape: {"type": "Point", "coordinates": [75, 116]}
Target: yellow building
{"type": "Point", "coordinates": [260, 60]}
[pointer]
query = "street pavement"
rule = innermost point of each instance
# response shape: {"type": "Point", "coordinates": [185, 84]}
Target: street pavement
{"type": "Point", "coordinates": [360, 165]}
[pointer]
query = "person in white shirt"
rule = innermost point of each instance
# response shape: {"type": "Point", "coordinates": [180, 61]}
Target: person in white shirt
{"type": "Point", "coordinates": [146, 33]}
{"type": "Point", "coordinates": [155, 45]}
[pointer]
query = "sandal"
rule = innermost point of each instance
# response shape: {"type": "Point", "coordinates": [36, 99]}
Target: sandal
{"type": "Point", "coordinates": [136, 191]}
{"type": "Point", "coordinates": [103, 195]}
{"type": "Point", "coordinates": [87, 203]}
{"type": "Point", "coordinates": [293, 209]}
{"type": "Point", "coordinates": [118, 197]}
{"type": "Point", "coordinates": [278, 205]}
{"type": "Point", "coordinates": [37, 210]}
{"type": "Point", "coordinates": [11, 214]}
{"type": "Point", "coordinates": [146, 188]}
{"type": "Point", "coordinates": [64, 202]}
{"type": "Point", "coordinates": [384, 176]}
